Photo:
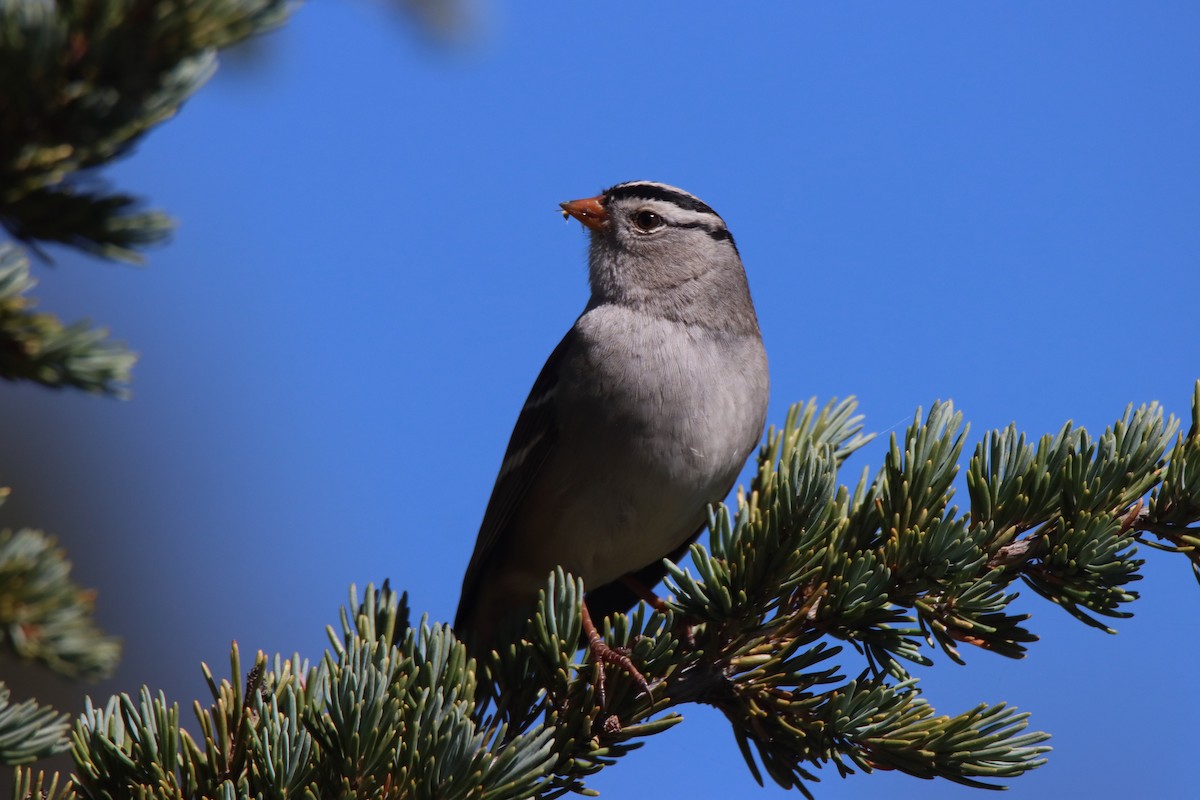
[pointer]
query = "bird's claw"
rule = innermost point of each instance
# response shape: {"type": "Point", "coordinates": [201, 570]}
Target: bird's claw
{"type": "Point", "coordinates": [617, 656]}
{"type": "Point", "coordinates": [602, 653]}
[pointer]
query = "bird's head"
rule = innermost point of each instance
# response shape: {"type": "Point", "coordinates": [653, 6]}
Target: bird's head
{"type": "Point", "coordinates": [649, 238]}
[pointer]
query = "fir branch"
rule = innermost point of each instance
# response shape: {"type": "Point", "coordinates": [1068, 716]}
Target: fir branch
{"type": "Point", "coordinates": [29, 731]}
{"type": "Point", "coordinates": [37, 347]}
{"type": "Point", "coordinates": [1175, 504]}
{"type": "Point", "coordinates": [378, 717]}
{"type": "Point", "coordinates": [93, 78]}
{"type": "Point", "coordinates": [44, 616]}
{"type": "Point", "coordinates": [30, 785]}
{"type": "Point", "coordinates": [105, 225]}
{"type": "Point", "coordinates": [890, 568]}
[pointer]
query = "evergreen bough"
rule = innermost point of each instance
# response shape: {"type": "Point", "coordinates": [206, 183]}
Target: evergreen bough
{"type": "Point", "coordinates": [36, 347]}
{"type": "Point", "coordinates": [756, 627]}
{"type": "Point", "coordinates": [45, 619]}
{"type": "Point", "coordinates": [83, 81]}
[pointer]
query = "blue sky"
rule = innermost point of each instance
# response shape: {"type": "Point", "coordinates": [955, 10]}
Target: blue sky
{"type": "Point", "coordinates": [993, 203]}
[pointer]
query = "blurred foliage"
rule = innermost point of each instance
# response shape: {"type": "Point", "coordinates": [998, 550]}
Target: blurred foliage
{"type": "Point", "coordinates": [755, 628]}
{"type": "Point", "coordinates": [94, 76]}
{"type": "Point", "coordinates": [83, 81]}
{"type": "Point", "coordinates": [38, 347]}
{"type": "Point", "coordinates": [46, 619]}
{"type": "Point", "coordinates": [29, 731]}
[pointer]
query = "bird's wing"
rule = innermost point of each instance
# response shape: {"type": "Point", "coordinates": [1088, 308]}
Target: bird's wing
{"type": "Point", "coordinates": [534, 438]}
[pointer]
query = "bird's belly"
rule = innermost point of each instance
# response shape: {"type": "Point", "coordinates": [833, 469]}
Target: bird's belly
{"type": "Point", "coordinates": [648, 483]}
{"type": "Point", "coordinates": [639, 525]}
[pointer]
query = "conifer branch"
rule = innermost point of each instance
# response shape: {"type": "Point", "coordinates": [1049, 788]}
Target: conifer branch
{"type": "Point", "coordinates": [29, 731]}
{"type": "Point", "coordinates": [46, 618]}
{"type": "Point", "coordinates": [756, 628]}
{"type": "Point", "coordinates": [37, 347]}
{"type": "Point", "coordinates": [94, 77]}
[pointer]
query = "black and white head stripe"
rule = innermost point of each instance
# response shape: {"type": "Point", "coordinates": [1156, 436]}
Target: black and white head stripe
{"type": "Point", "coordinates": [701, 216]}
{"type": "Point", "coordinates": [648, 190]}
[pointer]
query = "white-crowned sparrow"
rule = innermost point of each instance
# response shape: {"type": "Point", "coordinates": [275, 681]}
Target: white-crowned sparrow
{"type": "Point", "coordinates": [643, 415]}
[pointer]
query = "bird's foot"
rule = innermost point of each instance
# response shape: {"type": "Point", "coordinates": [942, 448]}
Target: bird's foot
{"type": "Point", "coordinates": [683, 626]}
{"type": "Point", "coordinates": [602, 654]}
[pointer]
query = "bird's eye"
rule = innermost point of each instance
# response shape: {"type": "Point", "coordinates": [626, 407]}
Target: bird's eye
{"type": "Point", "coordinates": [647, 221]}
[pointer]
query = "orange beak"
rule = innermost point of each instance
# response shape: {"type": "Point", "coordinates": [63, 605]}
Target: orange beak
{"type": "Point", "coordinates": [589, 211]}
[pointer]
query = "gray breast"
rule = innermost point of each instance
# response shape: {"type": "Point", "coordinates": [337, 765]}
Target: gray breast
{"type": "Point", "coordinates": [662, 418]}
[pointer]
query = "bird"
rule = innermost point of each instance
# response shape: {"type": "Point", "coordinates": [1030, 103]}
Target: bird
{"type": "Point", "coordinates": [642, 416]}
